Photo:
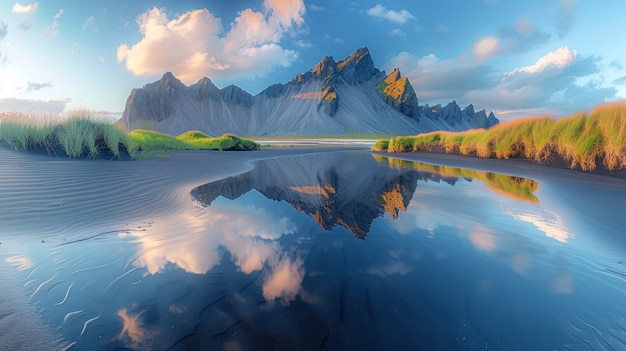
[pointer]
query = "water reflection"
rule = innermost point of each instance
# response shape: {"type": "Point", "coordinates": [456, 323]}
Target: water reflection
{"type": "Point", "coordinates": [454, 259]}
{"type": "Point", "coordinates": [332, 192]}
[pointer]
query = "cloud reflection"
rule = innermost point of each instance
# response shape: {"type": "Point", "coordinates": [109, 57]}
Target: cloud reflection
{"type": "Point", "coordinates": [551, 224]}
{"type": "Point", "coordinates": [195, 242]}
{"type": "Point", "coordinates": [285, 282]}
{"type": "Point", "coordinates": [22, 262]}
{"type": "Point", "coordinates": [133, 331]}
{"type": "Point", "coordinates": [483, 238]}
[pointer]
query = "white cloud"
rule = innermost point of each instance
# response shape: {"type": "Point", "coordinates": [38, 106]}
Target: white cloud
{"type": "Point", "coordinates": [440, 81]}
{"type": "Point", "coordinates": [486, 48]}
{"type": "Point", "coordinates": [89, 24]}
{"type": "Point", "coordinates": [305, 44]}
{"type": "Point", "coordinates": [53, 30]}
{"type": "Point", "coordinates": [192, 46]}
{"type": "Point", "coordinates": [286, 12]}
{"type": "Point", "coordinates": [317, 8]}
{"type": "Point", "coordinates": [398, 33]}
{"type": "Point", "coordinates": [550, 85]}
{"type": "Point", "coordinates": [380, 11]}
{"type": "Point", "coordinates": [25, 9]}
{"type": "Point", "coordinates": [558, 59]}
{"type": "Point", "coordinates": [443, 29]}
{"type": "Point", "coordinates": [59, 14]}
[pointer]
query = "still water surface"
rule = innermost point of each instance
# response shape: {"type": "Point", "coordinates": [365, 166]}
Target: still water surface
{"type": "Point", "coordinates": [348, 251]}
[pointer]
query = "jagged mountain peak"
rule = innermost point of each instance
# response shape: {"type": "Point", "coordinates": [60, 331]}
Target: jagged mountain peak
{"type": "Point", "coordinates": [168, 85]}
{"type": "Point", "coordinates": [235, 95]}
{"type": "Point", "coordinates": [204, 88]}
{"type": "Point", "coordinates": [326, 67]}
{"type": "Point", "coordinates": [393, 76]}
{"type": "Point", "coordinates": [169, 81]}
{"type": "Point", "coordinates": [468, 110]}
{"type": "Point", "coordinates": [398, 93]}
{"type": "Point", "coordinates": [360, 55]}
{"type": "Point", "coordinates": [358, 67]}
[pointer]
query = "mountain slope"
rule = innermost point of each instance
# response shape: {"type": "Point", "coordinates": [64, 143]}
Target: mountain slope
{"type": "Point", "coordinates": [333, 98]}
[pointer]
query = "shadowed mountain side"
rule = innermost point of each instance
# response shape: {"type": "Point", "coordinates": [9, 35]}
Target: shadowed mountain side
{"type": "Point", "coordinates": [333, 98]}
{"type": "Point", "coordinates": [335, 194]}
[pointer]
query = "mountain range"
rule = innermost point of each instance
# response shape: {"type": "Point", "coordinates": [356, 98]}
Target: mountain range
{"type": "Point", "coordinates": [333, 98]}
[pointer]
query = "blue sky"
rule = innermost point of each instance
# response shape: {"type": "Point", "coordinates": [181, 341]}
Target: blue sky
{"type": "Point", "coordinates": [514, 57]}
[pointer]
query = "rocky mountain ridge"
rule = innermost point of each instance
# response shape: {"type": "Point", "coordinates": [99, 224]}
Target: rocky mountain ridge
{"type": "Point", "coordinates": [333, 98]}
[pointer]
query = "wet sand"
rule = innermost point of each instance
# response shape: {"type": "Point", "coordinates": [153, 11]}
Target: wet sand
{"type": "Point", "coordinates": [52, 201]}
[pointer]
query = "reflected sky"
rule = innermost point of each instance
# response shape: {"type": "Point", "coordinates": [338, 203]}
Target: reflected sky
{"type": "Point", "coordinates": [339, 251]}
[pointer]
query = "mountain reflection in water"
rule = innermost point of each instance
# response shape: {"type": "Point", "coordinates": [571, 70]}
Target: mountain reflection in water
{"type": "Point", "coordinates": [332, 191]}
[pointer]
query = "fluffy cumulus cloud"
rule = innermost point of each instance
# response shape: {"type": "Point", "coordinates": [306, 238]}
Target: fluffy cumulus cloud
{"type": "Point", "coordinates": [400, 17]}
{"type": "Point", "coordinates": [397, 33]}
{"type": "Point", "coordinates": [485, 47]}
{"type": "Point", "coordinates": [521, 37]}
{"type": "Point", "coordinates": [558, 59]}
{"type": "Point", "coordinates": [436, 80]}
{"type": "Point", "coordinates": [25, 9]}
{"type": "Point", "coordinates": [550, 85]}
{"type": "Point", "coordinates": [192, 45]}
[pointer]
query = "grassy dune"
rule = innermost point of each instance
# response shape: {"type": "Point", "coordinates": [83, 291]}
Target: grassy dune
{"type": "Point", "coordinates": [596, 139]}
{"type": "Point", "coordinates": [76, 135]}
{"type": "Point", "coordinates": [147, 143]}
{"type": "Point", "coordinates": [80, 134]}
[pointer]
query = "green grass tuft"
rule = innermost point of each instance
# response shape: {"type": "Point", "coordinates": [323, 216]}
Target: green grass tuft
{"type": "Point", "coordinates": [76, 134]}
{"type": "Point", "coordinates": [583, 140]}
{"type": "Point", "coordinates": [79, 134]}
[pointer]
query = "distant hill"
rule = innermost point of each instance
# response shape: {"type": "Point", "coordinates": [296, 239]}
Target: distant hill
{"type": "Point", "coordinates": [333, 98]}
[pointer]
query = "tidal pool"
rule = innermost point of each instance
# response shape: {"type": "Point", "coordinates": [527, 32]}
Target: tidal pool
{"type": "Point", "coordinates": [347, 250]}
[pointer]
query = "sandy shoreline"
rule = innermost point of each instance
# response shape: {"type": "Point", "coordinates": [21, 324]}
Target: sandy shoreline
{"type": "Point", "coordinates": [52, 201]}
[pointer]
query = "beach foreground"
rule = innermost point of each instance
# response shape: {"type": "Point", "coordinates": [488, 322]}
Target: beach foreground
{"type": "Point", "coordinates": [50, 203]}
{"type": "Point", "coordinates": [54, 200]}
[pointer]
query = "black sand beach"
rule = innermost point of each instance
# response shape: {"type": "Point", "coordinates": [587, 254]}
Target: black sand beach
{"type": "Point", "coordinates": [53, 201]}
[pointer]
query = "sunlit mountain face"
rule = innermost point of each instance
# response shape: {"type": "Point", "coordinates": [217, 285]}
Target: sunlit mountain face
{"type": "Point", "coordinates": [340, 251]}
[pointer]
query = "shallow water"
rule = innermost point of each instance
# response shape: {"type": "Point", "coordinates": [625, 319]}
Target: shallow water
{"type": "Point", "coordinates": [338, 251]}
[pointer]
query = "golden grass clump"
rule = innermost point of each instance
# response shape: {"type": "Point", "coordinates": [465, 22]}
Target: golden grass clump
{"type": "Point", "coordinates": [582, 140]}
